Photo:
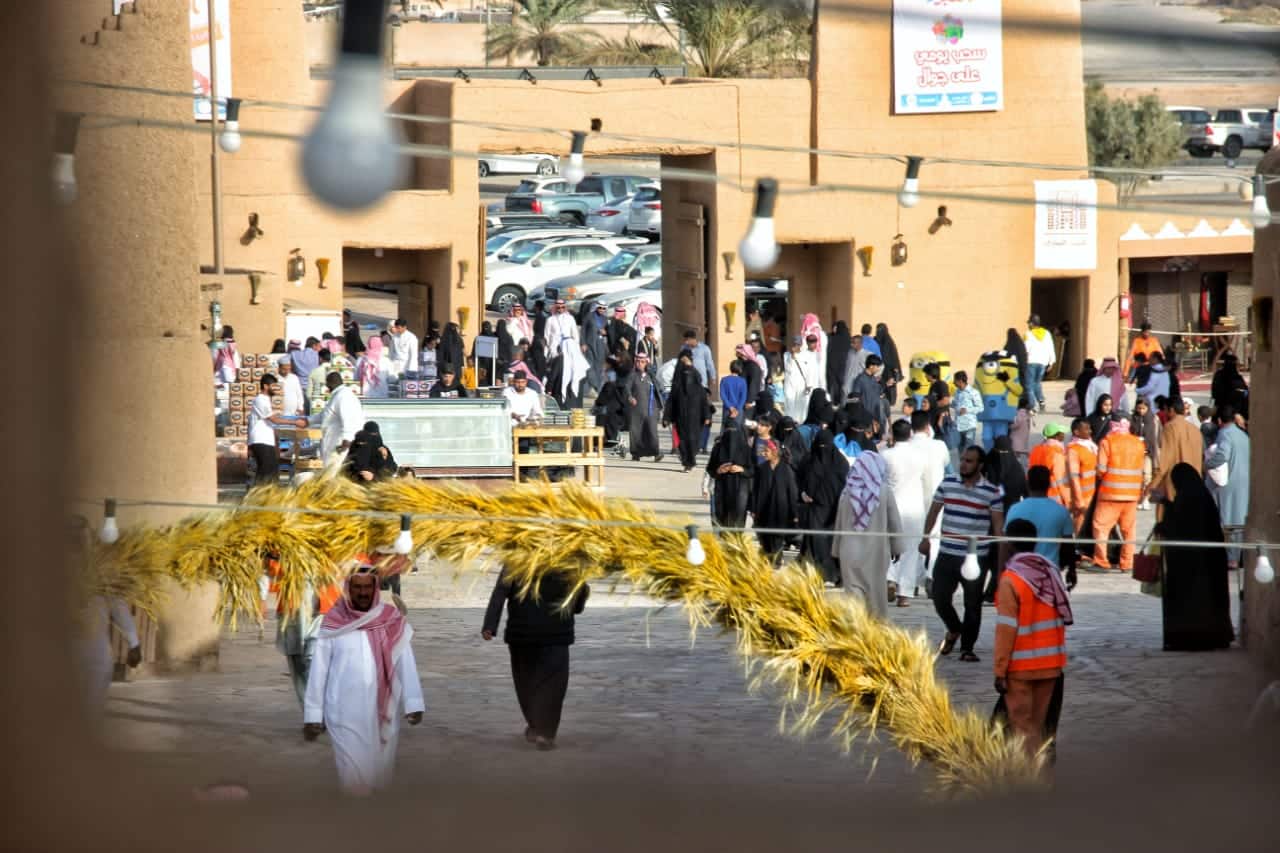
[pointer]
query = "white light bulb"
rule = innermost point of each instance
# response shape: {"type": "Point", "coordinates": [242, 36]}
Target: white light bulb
{"type": "Point", "coordinates": [971, 569]}
{"type": "Point", "coordinates": [1263, 572]}
{"type": "Point", "coordinates": [229, 140]}
{"type": "Point", "coordinates": [1261, 214]}
{"type": "Point", "coordinates": [404, 542]}
{"type": "Point", "coordinates": [574, 172]}
{"type": "Point", "coordinates": [759, 248]}
{"type": "Point", "coordinates": [694, 554]}
{"type": "Point", "coordinates": [909, 195]}
{"type": "Point", "coordinates": [110, 532]}
{"type": "Point", "coordinates": [351, 158]}
{"type": "Point", "coordinates": [65, 188]}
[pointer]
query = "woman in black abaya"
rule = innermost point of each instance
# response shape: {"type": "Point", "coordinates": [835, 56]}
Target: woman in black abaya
{"type": "Point", "coordinates": [821, 482]}
{"type": "Point", "coordinates": [1003, 469]}
{"type": "Point", "coordinates": [732, 466]}
{"type": "Point", "coordinates": [688, 409]}
{"type": "Point", "coordinates": [1196, 598]}
{"type": "Point", "coordinates": [892, 363]}
{"type": "Point", "coordinates": [775, 501]}
{"type": "Point", "coordinates": [838, 346]}
{"type": "Point", "coordinates": [451, 349]}
{"type": "Point", "coordinates": [1014, 345]}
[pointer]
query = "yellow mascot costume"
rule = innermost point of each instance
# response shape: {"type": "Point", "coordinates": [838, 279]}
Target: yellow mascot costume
{"type": "Point", "coordinates": [997, 381]}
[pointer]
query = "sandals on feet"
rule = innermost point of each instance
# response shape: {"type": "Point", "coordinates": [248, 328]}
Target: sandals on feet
{"type": "Point", "coordinates": [948, 643]}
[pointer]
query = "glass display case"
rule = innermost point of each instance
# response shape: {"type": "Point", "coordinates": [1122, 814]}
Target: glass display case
{"type": "Point", "coordinates": [446, 437]}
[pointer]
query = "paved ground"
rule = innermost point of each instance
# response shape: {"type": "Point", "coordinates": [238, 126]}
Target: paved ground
{"type": "Point", "coordinates": [643, 700]}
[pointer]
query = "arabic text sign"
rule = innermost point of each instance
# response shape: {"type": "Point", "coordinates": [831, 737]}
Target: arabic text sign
{"type": "Point", "coordinates": [1066, 225]}
{"type": "Point", "coordinates": [948, 56]}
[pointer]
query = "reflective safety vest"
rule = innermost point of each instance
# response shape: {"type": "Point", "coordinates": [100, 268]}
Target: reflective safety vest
{"type": "Point", "coordinates": [1082, 473]}
{"type": "Point", "coordinates": [1120, 457]}
{"type": "Point", "coordinates": [1040, 641]}
{"type": "Point", "coordinates": [1050, 455]}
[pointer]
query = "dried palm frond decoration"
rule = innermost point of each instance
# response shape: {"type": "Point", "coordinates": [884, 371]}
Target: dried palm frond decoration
{"type": "Point", "coordinates": [829, 658]}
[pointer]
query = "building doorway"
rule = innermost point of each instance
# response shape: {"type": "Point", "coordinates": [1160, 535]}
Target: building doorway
{"type": "Point", "coordinates": [1061, 304]}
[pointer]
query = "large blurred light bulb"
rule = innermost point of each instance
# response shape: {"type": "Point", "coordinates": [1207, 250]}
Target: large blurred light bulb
{"type": "Point", "coordinates": [404, 542]}
{"type": "Point", "coordinates": [575, 172]}
{"type": "Point", "coordinates": [695, 555]}
{"type": "Point", "coordinates": [229, 140]}
{"type": "Point", "coordinates": [1263, 572]}
{"type": "Point", "coordinates": [909, 195]}
{"type": "Point", "coordinates": [759, 249]}
{"type": "Point", "coordinates": [65, 188]}
{"type": "Point", "coordinates": [1261, 214]}
{"type": "Point", "coordinates": [110, 532]}
{"type": "Point", "coordinates": [351, 158]}
{"type": "Point", "coordinates": [971, 569]}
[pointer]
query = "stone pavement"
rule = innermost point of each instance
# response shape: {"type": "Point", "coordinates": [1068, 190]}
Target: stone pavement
{"type": "Point", "coordinates": [645, 701]}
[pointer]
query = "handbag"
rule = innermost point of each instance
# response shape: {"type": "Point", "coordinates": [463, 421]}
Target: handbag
{"type": "Point", "coordinates": [1148, 564]}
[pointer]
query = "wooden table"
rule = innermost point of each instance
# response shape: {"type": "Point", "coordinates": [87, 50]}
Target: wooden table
{"type": "Point", "coordinates": [591, 458]}
{"type": "Point", "coordinates": [295, 436]}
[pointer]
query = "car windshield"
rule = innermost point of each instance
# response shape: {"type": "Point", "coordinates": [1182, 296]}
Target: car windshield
{"type": "Point", "coordinates": [648, 194]}
{"type": "Point", "coordinates": [618, 264]}
{"type": "Point", "coordinates": [527, 186]}
{"type": "Point", "coordinates": [526, 252]}
{"type": "Point", "coordinates": [656, 284]}
{"type": "Point", "coordinates": [496, 242]}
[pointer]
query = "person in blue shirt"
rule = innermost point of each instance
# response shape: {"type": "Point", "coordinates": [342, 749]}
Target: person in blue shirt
{"type": "Point", "coordinates": [733, 394]}
{"type": "Point", "coordinates": [1051, 519]}
{"type": "Point", "coordinates": [869, 342]}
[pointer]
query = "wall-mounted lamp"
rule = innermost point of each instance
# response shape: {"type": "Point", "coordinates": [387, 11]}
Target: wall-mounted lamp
{"type": "Point", "coordinates": [297, 269]}
{"type": "Point", "coordinates": [253, 232]}
{"type": "Point", "coordinates": [215, 320]}
{"type": "Point", "coordinates": [729, 258]}
{"type": "Point", "coordinates": [464, 311]}
{"type": "Point", "coordinates": [65, 188]}
{"type": "Point", "coordinates": [730, 308]}
{"type": "Point", "coordinates": [463, 266]}
{"type": "Point", "coordinates": [525, 74]}
{"type": "Point", "coordinates": [940, 221]}
{"type": "Point", "coordinates": [898, 251]}
{"type": "Point", "coordinates": [864, 257]}
{"type": "Point", "coordinates": [255, 284]}
{"type": "Point", "coordinates": [322, 267]}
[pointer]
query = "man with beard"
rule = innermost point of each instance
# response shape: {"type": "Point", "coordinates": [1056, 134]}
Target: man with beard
{"type": "Point", "coordinates": [618, 330]}
{"type": "Point", "coordinates": [646, 407]}
{"type": "Point", "coordinates": [363, 678]}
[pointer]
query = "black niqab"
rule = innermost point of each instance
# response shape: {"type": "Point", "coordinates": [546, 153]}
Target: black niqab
{"type": "Point", "coordinates": [1003, 469]}
{"type": "Point", "coordinates": [451, 349]}
{"type": "Point", "coordinates": [838, 347]}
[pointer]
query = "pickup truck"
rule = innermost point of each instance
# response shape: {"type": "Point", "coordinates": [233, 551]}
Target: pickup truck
{"type": "Point", "coordinates": [572, 207]}
{"type": "Point", "coordinates": [1233, 130]}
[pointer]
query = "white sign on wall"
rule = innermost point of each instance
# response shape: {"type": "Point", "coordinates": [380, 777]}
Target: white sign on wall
{"type": "Point", "coordinates": [200, 52]}
{"type": "Point", "coordinates": [948, 56]}
{"type": "Point", "coordinates": [1066, 225]}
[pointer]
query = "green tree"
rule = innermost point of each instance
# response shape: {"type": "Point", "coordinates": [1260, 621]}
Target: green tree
{"type": "Point", "coordinates": [626, 51]}
{"type": "Point", "coordinates": [733, 38]}
{"type": "Point", "coordinates": [538, 27]}
{"type": "Point", "coordinates": [1139, 135]}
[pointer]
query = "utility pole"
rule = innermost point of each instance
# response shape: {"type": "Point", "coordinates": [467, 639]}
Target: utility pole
{"type": "Point", "coordinates": [215, 162]}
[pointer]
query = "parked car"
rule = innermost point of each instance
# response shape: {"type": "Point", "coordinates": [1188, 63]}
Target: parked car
{"type": "Point", "coordinates": [545, 165]}
{"type": "Point", "coordinates": [629, 300]}
{"type": "Point", "coordinates": [1233, 130]}
{"type": "Point", "coordinates": [497, 219]}
{"type": "Point", "coordinates": [1193, 121]}
{"type": "Point", "coordinates": [645, 216]}
{"type": "Point", "coordinates": [501, 246]}
{"type": "Point", "coordinates": [592, 192]}
{"type": "Point", "coordinates": [508, 282]}
{"type": "Point", "coordinates": [621, 272]}
{"type": "Point", "coordinates": [611, 217]}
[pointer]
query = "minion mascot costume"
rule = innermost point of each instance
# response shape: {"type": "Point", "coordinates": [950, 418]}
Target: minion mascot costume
{"type": "Point", "coordinates": [996, 378]}
{"type": "Point", "coordinates": [919, 384]}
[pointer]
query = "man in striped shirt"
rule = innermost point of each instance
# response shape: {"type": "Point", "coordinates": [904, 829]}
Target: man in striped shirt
{"type": "Point", "coordinates": [970, 508]}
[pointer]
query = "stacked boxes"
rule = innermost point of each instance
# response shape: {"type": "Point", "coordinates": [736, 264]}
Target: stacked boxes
{"type": "Point", "coordinates": [240, 393]}
{"type": "Point", "coordinates": [344, 365]}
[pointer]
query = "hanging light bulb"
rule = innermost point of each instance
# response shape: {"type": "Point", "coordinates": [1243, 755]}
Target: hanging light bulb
{"type": "Point", "coordinates": [110, 532]}
{"type": "Point", "coordinates": [404, 542]}
{"type": "Point", "coordinates": [229, 139]}
{"type": "Point", "coordinates": [351, 158]}
{"type": "Point", "coordinates": [909, 195]}
{"type": "Point", "coordinates": [574, 172]}
{"type": "Point", "coordinates": [759, 249]}
{"type": "Point", "coordinates": [1263, 572]}
{"type": "Point", "coordinates": [63, 171]}
{"type": "Point", "coordinates": [695, 555]}
{"type": "Point", "coordinates": [1261, 212]}
{"type": "Point", "coordinates": [971, 570]}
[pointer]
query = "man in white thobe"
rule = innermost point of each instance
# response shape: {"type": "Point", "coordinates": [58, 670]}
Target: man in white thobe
{"type": "Point", "coordinates": [291, 388]}
{"type": "Point", "coordinates": [341, 419]}
{"type": "Point", "coordinates": [939, 458]}
{"type": "Point", "coordinates": [559, 326]}
{"type": "Point", "coordinates": [800, 377]}
{"type": "Point", "coordinates": [104, 614]}
{"type": "Point", "coordinates": [363, 678]}
{"type": "Point", "coordinates": [403, 349]}
{"type": "Point", "coordinates": [909, 479]}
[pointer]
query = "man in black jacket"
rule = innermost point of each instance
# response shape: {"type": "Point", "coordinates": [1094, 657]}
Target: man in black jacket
{"type": "Point", "coordinates": [538, 637]}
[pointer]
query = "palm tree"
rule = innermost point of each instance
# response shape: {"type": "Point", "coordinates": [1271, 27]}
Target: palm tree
{"type": "Point", "coordinates": [730, 38]}
{"type": "Point", "coordinates": [538, 27]}
{"type": "Point", "coordinates": [626, 51]}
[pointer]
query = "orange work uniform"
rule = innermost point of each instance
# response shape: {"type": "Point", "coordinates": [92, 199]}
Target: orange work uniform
{"type": "Point", "coordinates": [1120, 457]}
{"type": "Point", "coordinates": [1051, 454]}
{"type": "Point", "coordinates": [1030, 652]}
{"type": "Point", "coordinates": [1082, 472]}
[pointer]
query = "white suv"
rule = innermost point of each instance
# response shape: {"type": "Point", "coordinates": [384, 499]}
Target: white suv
{"type": "Point", "coordinates": [506, 283]}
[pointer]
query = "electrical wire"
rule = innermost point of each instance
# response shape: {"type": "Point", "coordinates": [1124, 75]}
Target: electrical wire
{"type": "Point", "coordinates": [390, 515]}
{"type": "Point", "coordinates": [699, 176]}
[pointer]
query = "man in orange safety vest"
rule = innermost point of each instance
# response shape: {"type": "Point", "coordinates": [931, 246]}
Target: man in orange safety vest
{"type": "Point", "coordinates": [1052, 455]}
{"type": "Point", "coordinates": [1082, 471]}
{"type": "Point", "coordinates": [1120, 456]}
